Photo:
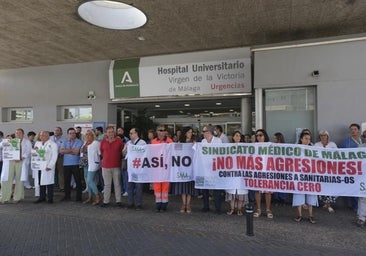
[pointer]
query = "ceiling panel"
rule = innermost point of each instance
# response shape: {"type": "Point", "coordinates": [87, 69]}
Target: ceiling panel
{"type": "Point", "coordinates": [44, 32]}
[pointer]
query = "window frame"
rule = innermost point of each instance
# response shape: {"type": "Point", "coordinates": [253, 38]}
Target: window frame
{"type": "Point", "coordinates": [27, 112]}
{"type": "Point", "coordinates": [76, 111]}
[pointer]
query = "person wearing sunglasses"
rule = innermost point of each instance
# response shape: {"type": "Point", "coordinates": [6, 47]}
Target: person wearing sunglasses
{"type": "Point", "coordinates": [260, 137]}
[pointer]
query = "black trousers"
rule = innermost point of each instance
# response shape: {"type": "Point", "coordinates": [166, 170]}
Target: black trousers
{"type": "Point", "coordinates": [217, 199]}
{"type": "Point", "coordinates": [75, 171]}
{"type": "Point", "coordinates": [45, 189]}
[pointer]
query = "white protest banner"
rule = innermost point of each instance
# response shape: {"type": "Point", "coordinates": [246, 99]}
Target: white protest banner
{"type": "Point", "coordinates": [289, 168]}
{"type": "Point", "coordinates": [281, 167]}
{"type": "Point", "coordinates": [160, 162]}
{"type": "Point", "coordinates": [38, 160]}
{"type": "Point", "coordinates": [11, 149]}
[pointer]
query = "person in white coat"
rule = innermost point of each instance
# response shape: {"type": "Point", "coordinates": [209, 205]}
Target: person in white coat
{"type": "Point", "coordinates": [45, 178]}
{"type": "Point", "coordinates": [16, 170]}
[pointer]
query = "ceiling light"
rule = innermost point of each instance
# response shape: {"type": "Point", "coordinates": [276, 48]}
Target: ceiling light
{"type": "Point", "coordinates": [231, 110]}
{"type": "Point", "coordinates": [180, 111]}
{"type": "Point", "coordinates": [218, 103]}
{"type": "Point", "coordinates": [157, 106]}
{"type": "Point", "coordinates": [187, 105]}
{"type": "Point", "coordinates": [111, 14]}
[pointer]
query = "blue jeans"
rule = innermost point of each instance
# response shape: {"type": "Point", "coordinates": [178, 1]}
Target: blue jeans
{"type": "Point", "coordinates": [124, 181]}
{"type": "Point", "coordinates": [135, 188]}
{"type": "Point", "coordinates": [353, 201]}
{"type": "Point", "coordinates": [101, 180]}
{"type": "Point", "coordinates": [90, 181]}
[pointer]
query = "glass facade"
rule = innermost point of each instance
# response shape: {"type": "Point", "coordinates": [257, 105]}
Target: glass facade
{"type": "Point", "coordinates": [289, 111]}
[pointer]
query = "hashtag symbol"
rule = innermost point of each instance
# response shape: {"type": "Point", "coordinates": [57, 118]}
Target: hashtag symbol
{"type": "Point", "coordinates": [136, 162]}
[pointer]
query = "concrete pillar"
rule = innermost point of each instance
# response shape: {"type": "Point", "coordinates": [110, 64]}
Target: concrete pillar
{"type": "Point", "coordinates": [259, 109]}
{"type": "Point", "coordinates": [246, 115]}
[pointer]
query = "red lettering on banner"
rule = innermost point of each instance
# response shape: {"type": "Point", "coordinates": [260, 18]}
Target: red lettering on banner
{"type": "Point", "coordinates": [309, 187]}
{"type": "Point", "coordinates": [222, 163]}
{"type": "Point", "coordinates": [341, 167]}
{"type": "Point", "coordinates": [270, 184]}
{"type": "Point", "coordinates": [249, 163]}
{"type": "Point", "coordinates": [258, 163]}
{"type": "Point", "coordinates": [313, 166]}
{"type": "Point", "coordinates": [271, 166]}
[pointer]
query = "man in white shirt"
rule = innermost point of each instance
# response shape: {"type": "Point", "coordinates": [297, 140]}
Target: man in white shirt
{"type": "Point", "coordinates": [132, 186]}
{"type": "Point", "coordinates": [208, 137]}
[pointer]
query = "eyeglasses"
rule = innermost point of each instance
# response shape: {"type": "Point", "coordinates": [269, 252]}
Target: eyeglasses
{"type": "Point", "coordinates": [259, 135]}
{"type": "Point", "coordinates": [161, 130]}
{"type": "Point", "coordinates": [204, 131]}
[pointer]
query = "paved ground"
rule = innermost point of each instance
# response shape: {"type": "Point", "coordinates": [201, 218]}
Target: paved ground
{"type": "Point", "coordinates": [71, 228]}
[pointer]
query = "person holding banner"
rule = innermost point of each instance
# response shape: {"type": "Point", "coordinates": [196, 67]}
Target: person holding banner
{"type": "Point", "coordinates": [278, 197]}
{"type": "Point", "coordinates": [185, 189]}
{"type": "Point", "coordinates": [262, 136]}
{"type": "Point", "coordinates": [161, 189]}
{"type": "Point", "coordinates": [325, 143]}
{"type": "Point", "coordinates": [208, 137]}
{"type": "Point", "coordinates": [45, 178]}
{"type": "Point", "coordinates": [299, 200]}
{"type": "Point", "coordinates": [133, 187]}
{"type": "Point", "coordinates": [15, 169]}
{"type": "Point", "coordinates": [238, 195]}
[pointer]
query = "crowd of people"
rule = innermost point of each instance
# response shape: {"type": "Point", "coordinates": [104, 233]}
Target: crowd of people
{"type": "Point", "coordinates": [96, 161]}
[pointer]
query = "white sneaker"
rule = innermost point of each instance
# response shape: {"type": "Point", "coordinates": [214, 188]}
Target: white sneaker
{"type": "Point", "coordinates": [125, 194]}
{"type": "Point", "coordinates": [85, 190]}
{"type": "Point", "coordinates": [330, 210]}
{"type": "Point", "coordinates": [28, 186]}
